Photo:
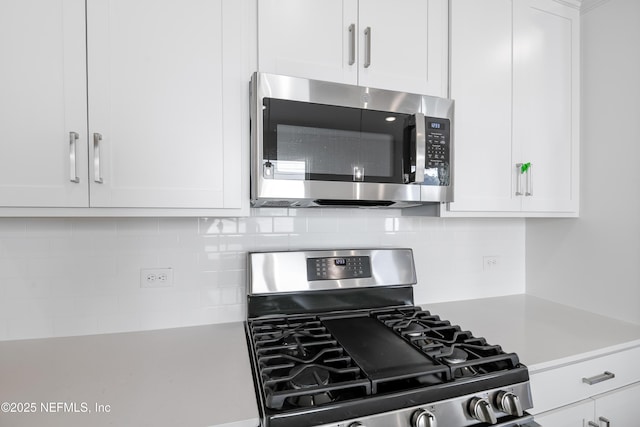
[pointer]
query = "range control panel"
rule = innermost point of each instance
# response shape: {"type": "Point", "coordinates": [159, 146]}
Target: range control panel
{"type": "Point", "coordinates": [336, 268]}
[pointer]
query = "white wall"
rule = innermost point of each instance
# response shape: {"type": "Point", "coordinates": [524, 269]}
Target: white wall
{"type": "Point", "coordinates": [61, 277]}
{"type": "Point", "coordinates": [593, 262]}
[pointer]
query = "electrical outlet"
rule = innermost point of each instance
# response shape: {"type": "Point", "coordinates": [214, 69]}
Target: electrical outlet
{"type": "Point", "coordinates": [490, 263]}
{"type": "Point", "coordinates": [156, 277]}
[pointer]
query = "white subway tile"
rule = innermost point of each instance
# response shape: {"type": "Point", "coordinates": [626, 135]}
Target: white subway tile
{"type": "Point", "coordinates": [210, 296]}
{"type": "Point", "coordinates": [218, 225]}
{"type": "Point", "coordinates": [48, 227]}
{"type": "Point", "coordinates": [27, 327]}
{"type": "Point", "coordinates": [12, 226]}
{"type": "Point", "coordinates": [255, 225]}
{"type": "Point", "coordinates": [148, 300]}
{"type": "Point", "coordinates": [74, 325]}
{"type": "Point", "coordinates": [81, 275]}
{"type": "Point", "coordinates": [4, 330]}
{"type": "Point", "coordinates": [187, 226]}
{"type": "Point", "coordinates": [238, 242]}
{"type": "Point", "coordinates": [13, 268]}
{"type": "Point", "coordinates": [160, 320]}
{"type": "Point", "coordinates": [322, 224]}
{"type": "Point", "coordinates": [93, 226]}
{"type": "Point", "coordinates": [26, 288]}
{"type": "Point", "coordinates": [270, 242]}
{"type": "Point", "coordinates": [229, 296]}
{"type": "Point", "coordinates": [137, 226]}
{"type": "Point", "coordinates": [119, 322]}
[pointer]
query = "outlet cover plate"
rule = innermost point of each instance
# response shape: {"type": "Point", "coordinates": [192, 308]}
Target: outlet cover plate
{"type": "Point", "coordinates": [156, 277]}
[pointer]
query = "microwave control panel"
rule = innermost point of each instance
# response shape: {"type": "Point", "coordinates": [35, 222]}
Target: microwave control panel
{"type": "Point", "coordinates": [438, 142]}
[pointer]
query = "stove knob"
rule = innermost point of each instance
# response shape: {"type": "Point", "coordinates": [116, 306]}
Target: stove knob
{"type": "Point", "coordinates": [481, 410]}
{"type": "Point", "coordinates": [423, 418]}
{"type": "Point", "coordinates": [357, 424]}
{"type": "Point", "coordinates": [509, 403]}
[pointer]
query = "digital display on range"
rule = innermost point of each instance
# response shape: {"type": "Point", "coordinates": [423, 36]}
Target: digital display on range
{"type": "Point", "coordinates": [338, 268]}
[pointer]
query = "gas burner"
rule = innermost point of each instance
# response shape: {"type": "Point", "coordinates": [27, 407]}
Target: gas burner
{"type": "Point", "coordinates": [414, 330]}
{"type": "Point", "coordinates": [457, 355]}
{"type": "Point", "coordinates": [309, 377]}
{"type": "Point", "coordinates": [306, 376]}
{"type": "Point", "coordinates": [310, 400]}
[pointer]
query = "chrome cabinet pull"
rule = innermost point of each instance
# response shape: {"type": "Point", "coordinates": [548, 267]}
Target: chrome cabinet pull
{"type": "Point", "coordinates": [73, 173]}
{"type": "Point", "coordinates": [604, 422]}
{"type": "Point", "coordinates": [367, 47]}
{"type": "Point", "coordinates": [592, 424]}
{"type": "Point", "coordinates": [352, 44]}
{"type": "Point", "coordinates": [519, 181]}
{"type": "Point", "coordinates": [421, 147]}
{"type": "Point", "coordinates": [97, 175]}
{"type": "Point", "coordinates": [599, 378]}
{"type": "Point", "coordinates": [529, 191]}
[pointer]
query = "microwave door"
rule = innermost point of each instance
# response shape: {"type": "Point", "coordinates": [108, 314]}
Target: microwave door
{"type": "Point", "coordinates": [316, 142]}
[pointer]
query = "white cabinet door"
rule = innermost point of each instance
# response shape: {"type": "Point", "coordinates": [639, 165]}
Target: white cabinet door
{"type": "Point", "coordinates": [314, 39]}
{"type": "Point", "coordinates": [546, 102]}
{"type": "Point", "coordinates": [158, 108]}
{"type": "Point", "coordinates": [619, 408]}
{"type": "Point", "coordinates": [403, 45]}
{"type": "Point", "coordinates": [481, 87]}
{"type": "Point", "coordinates": [43, 104]}
{"type": "Point", "coordinates": [515, 80]}
{"type": "Point", "coordinates": [576, 415]}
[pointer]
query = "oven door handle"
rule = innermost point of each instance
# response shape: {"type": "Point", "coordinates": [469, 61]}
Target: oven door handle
{"type": "Point", "coordinates": [421, 148]}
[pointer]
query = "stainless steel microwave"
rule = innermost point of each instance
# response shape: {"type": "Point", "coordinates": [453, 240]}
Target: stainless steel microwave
{"type": "Point", "coordinates": [316, 143]}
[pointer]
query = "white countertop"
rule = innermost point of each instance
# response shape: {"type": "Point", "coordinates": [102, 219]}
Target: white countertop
{"type": "Point", "coordinates": [201, 376]}
{"type": "Point", "coordinates": [187, 377]}
{"type": "Point", "coordinates": [543, 334]}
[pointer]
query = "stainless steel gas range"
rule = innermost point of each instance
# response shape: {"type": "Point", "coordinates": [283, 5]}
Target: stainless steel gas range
{"type": "Point", "coordinates": [336, 341]}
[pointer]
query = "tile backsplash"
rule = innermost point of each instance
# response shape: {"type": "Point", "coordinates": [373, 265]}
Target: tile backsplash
{"type": "Point", "coordinates": [76, 276]}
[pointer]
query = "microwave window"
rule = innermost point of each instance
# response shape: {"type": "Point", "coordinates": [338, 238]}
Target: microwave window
{"type": "Point", "coordinates": [335, 152]}
{"type": "Point", "coordinates": [332, 143]}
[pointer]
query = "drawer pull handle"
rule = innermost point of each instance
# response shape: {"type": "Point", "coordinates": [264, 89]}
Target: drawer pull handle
{"type": "Point", "coordinates": [599, 378]}
{"type": "Point", "coordinates": [592, 424]}
{"type": "Point", "coordinates": [604, 422]}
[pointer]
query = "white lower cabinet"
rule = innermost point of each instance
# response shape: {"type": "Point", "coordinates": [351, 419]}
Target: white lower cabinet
{"type": "Point", "coordinates": [619, 408]}
{"type": "Point", "coordinates": [600, 392]}
{"type": "Point", "coordinates": [576, 415]}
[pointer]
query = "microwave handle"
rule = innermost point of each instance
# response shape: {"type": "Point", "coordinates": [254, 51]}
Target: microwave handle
{"type": "Point", "coordinates": [421, 147]}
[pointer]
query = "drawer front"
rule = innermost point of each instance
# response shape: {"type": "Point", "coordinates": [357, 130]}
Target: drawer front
{"type": "Point", "coordinates": [562, 386]}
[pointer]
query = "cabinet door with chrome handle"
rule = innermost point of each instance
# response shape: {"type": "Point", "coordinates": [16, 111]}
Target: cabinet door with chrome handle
{"type": "Point", "coordinates": [43, 99]}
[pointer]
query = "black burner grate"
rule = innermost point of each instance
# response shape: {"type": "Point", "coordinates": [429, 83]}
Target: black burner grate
{"type": "Point", "coordinates": [465, 354]}
{"type": "Point", "coordinates": [302, 365]}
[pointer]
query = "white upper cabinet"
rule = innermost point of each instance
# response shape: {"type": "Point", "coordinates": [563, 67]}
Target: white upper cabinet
{"type": "Point", "coordinates": [157, 105]}
{"type": "Point", "coordinates": [166, 85]}
{"type": "Point", "coordinates": [546, 75]}
{"type": "Point", "coordinates": [43, 104]}
{"type": "Point", "coordinates": [397, 45]}
{"type": "Point", "coordinates": [482, 90]}
{"type": "Point", "coordinates": [515, 81]}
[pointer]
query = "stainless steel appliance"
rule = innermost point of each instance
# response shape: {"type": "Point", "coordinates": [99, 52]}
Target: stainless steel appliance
{"type": "Point", "coordinates": [336, 341]}
{"type": "Point", "coordinates": [317, 143]}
